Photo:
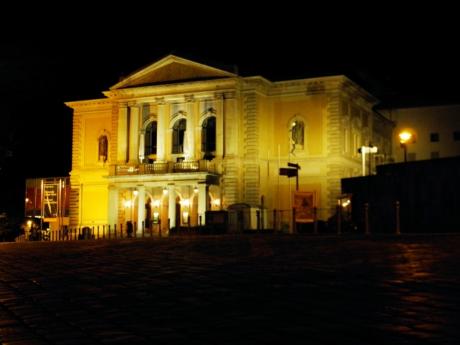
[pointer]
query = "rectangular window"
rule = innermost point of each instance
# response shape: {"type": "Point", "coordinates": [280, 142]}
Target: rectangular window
{"type": "Point", "coordinates": [434, 154]}
{"type": "Point", "coordinates": [456, 135]}
{"type": "Point", "coordinates": [434, 137]}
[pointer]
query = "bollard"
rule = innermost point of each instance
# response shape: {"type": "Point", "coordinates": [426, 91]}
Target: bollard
{"type": "Point", "coordinates": [274, 220]}
{"type": "Point", "coordinates": [398, 224]}
{"type": "Point", "coordinates": [339, 219]}
{"type": "Point", "coordinates": [294, 224]}
{"type": "Point", "coordinates": [366, 218]}
{"type": "Point", "coordinates": [258, 219]}
{"type": "Point", "coordinates": [315, 220]}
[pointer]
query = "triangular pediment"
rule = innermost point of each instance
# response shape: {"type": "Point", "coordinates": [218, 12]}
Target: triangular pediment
{"type": "Point", "coordinates": [171, 69]}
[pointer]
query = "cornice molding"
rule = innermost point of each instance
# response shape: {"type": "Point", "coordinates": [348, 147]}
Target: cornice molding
{"type": "Point", "coordinates": [89, 103]}
{"type": "Point", "coordinates": [183, 88]}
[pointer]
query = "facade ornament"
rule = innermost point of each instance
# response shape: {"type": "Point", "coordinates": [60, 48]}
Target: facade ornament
{"type": "Point", "coordinates": [160, 100]}
{"type": "Point", "coordinates": [189, 98]}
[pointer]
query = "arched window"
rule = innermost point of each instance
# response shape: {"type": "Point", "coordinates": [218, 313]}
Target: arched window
{"type": "Point", "coordinates": [208, 136]}
{"type": "Point", "coordinates": [103, 148]}
{"type": "Point", "coordinates": [178, 136]}
{"type": "Point", "coordinates": [150, 141]}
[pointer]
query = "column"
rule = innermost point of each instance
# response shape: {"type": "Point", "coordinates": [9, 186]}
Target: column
{"type": "Point", "coordinates": [190, 154]}
{"type": "Point", "coordinates": [202, 202]}
{"type": "Point", "coordinates": [161, 131]}
{"type": "Point", "coordinates": [134, 134]}
{"type": "Point", "coordinates": [172, 206]}
{"type": "Point", "coordinates": [219, 124]}
{"type": "Point", "coordinates": [113, 206]}
{"type": "Point", "coordinates": [122, 135]}
{"type": "Point", "coordinates": [141, 145]}
{"type": "Point", "coordinates": [140, 209]}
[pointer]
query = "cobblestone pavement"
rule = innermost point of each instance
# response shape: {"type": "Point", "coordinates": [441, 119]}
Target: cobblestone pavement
{"type": "Point", "coordinates": [264, 289]}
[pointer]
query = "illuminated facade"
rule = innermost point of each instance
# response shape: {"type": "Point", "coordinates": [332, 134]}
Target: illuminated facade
{"type": "Point", "coordinates": [178, 138]}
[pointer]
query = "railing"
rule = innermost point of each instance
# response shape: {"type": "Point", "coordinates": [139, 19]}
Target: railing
{"type": "Point", "coordinates": [164, 168]}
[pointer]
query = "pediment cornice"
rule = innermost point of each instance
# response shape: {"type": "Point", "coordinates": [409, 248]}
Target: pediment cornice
{"type": "Point", "coordinates": [171, 69]}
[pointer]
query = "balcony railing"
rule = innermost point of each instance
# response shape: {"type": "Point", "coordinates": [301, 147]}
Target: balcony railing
{"type": "Point", "coordinates": [163, 168]}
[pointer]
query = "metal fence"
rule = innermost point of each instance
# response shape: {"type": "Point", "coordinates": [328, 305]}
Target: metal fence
{"type": "Point", "coordinates": [246, 220]}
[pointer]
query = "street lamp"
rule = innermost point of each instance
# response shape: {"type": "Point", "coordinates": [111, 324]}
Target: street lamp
{"type": "Point", "coordinates": [404, 138]}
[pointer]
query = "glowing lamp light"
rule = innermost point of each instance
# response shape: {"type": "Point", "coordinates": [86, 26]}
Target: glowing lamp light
{"type": "Point", "coordinates": [195, 190]}
{"type": "Point", "coordinates": [156, 203]}
{"type": "Point", "coordinates": [135, 192]}
{"type": "Point", "coordinates": [405, 136]}
{"type": "Point", "coordinates": [127, 203]}
{"type": "Point", "coordinates": [216, 202]}
{"type": "Point", "coordinates": [185, 217]}
{"type": "Point", "coordinates": [185, 202]}
{"type": "Point", "coordinates": [165, 191]}
{"type": "Point", "coordinates": [346, 203]}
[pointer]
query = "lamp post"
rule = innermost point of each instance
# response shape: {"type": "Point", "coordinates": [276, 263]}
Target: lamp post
{"type": "Point", "coordinates": [404, 138]}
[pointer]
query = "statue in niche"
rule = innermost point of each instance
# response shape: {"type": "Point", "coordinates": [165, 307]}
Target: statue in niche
{"type": "Point", "coordinates": [297, 134]}
{"type": "Point", "coordinates": [103, 148]}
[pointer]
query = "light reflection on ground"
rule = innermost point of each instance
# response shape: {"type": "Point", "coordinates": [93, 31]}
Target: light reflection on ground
{"type": "Point", "coordinates": [232, 290]}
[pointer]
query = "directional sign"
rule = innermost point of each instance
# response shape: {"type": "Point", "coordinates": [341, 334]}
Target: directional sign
{"type": "Point", "coordinates": [294, 165]}
{"type": "Point", "coordinates": [289, 172]}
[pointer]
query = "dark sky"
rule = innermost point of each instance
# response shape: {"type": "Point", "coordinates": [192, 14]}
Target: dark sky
{"type": "Point", "coordinates": [401, 63]}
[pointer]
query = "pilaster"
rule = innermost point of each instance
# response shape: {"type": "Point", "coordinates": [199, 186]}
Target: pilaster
{"type": "Point", "coordinates": [113, 205]}
{"type": "Point", "coordinates": [134, 134]}
{"type": "Point", "coordinates": [122, 134]}
{"type": "Point", "coordinates": [190, 131]}
{"type": "Point", "coordinates": [161, 130]}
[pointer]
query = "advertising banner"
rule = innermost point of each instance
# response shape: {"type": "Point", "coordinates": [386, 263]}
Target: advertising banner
{"type": "Point", "coordinates": [303, 204]}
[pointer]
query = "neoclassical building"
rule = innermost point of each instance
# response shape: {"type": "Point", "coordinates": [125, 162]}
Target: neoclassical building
{"type": "Point", "coordinates": [178, 138]}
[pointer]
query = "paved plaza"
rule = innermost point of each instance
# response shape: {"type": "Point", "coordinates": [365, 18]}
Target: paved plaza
{"type": "Point", "coordinates": [245, 289]}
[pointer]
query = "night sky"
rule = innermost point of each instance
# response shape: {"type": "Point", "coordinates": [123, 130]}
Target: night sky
{"type": "Point", "coordinates": [401, 63]}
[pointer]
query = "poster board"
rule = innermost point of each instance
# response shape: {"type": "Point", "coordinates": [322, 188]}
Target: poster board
{"type": "Point", "coordinates": [303, 203]}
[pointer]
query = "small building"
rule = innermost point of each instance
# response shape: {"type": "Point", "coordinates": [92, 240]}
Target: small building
{"type": "Point", "coordinates": [435, 131]}
{"type": "Point", "coordinates": [47, 201]}
{"type": "Point", "coordinates": [426, 193]}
